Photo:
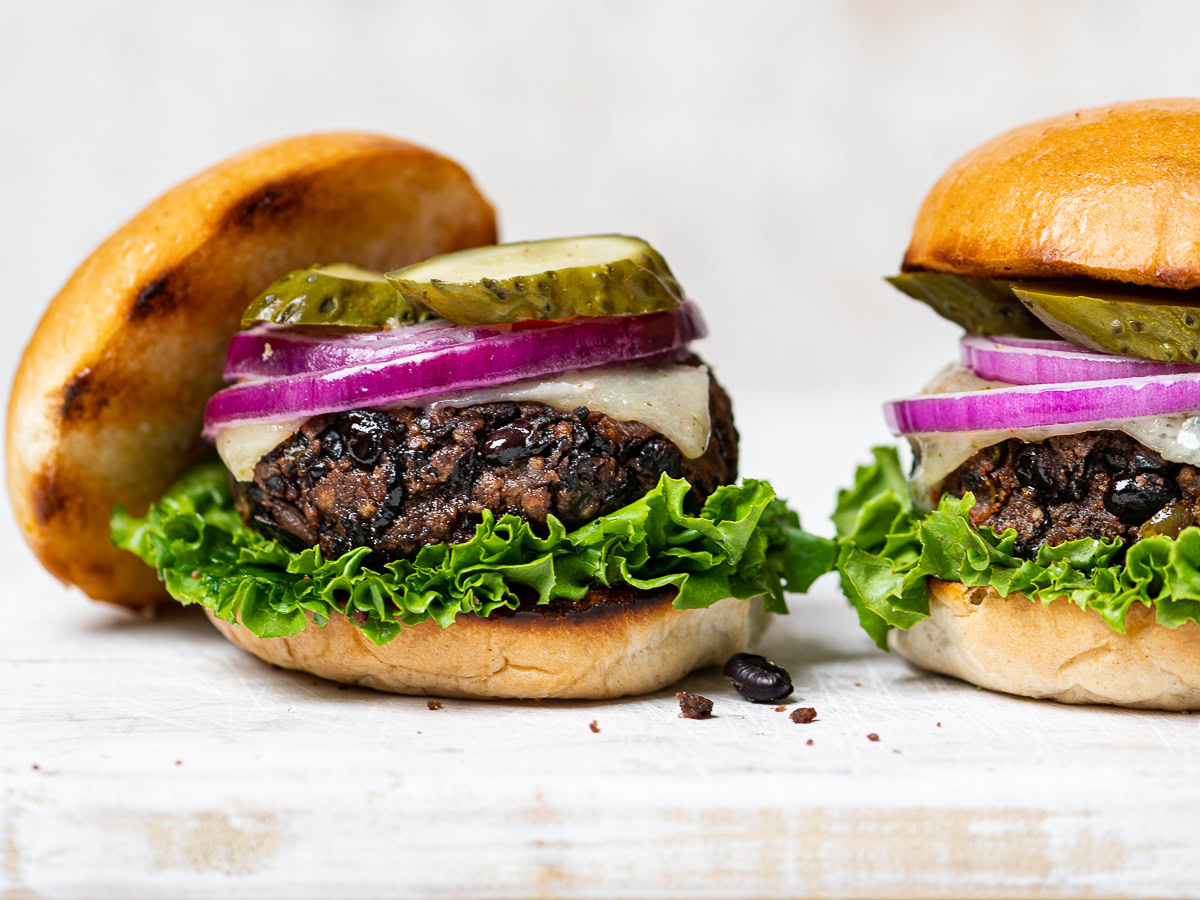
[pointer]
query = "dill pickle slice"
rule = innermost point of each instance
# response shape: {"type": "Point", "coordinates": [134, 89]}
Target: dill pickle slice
{"type": "Point", "coordinates": [980, 305]}
{"type": "Point", "coordinates": [1133, 321]}
{"type": "Point", "coordinates": [338, 294]}
{"type": "Point", "coordinates": [596, 275]}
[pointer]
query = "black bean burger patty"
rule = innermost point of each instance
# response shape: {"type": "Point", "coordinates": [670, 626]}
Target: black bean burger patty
{"type": "Point", "coordinates": [1099, 484]}
{"type": "Point", "coordinates": [396, 481]}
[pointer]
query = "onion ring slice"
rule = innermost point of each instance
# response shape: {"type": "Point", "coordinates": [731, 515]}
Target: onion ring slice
{"type": "Point", "coordinates": [401, 374]}
{"type": "Point", "coordinates": [1025, 361]}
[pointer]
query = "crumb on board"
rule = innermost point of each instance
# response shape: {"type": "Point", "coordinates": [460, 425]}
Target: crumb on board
{"type": "Point", "coordinates": [595, 728]}
{"type": "Point", "coordinates": [693, 706]}
{"type": "Point", "coordinates": [781, 708]}
{"type": "Point", "coordinates": [179, 762]}
{"type": "Point", "coordinates": [434, 704]}
{"type": "Point", "coordinates": [803, 715]}
{"type": "Point", "coordinates": [809, 742]}
{"type": "Point", "coordinates": [896, 751]}
{"type": "Point", "coordinates": [36, 767]}
{"type": "Point", "coordinates": [858, 684]}
{"type": "Point", "coordinates": [872, 736]}
{"type": "Point", "coordinates": [939, 724]}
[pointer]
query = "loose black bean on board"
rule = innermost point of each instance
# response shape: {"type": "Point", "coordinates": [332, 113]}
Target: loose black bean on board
{"type": "Point", "coordinates": [757, 678]}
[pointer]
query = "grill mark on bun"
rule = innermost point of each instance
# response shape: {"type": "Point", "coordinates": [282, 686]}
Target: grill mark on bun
{"type": "Point", "coordinates": [48, 500]}
{"type": "Point", "coordinates": [270, 202]}
{"type": "Point", "coordinates": [85, 395]}
{"type": "Point", "coordinates": [73, 393]}
{"type": "Point", "coordinates": [268, 206]}
{"type": "Point", "coordinates": [158, 297]}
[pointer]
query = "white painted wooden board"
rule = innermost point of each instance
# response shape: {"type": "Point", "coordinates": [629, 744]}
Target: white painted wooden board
{"type": "Point", "coordinates": [778, 164]}
{"type": "Point", "coordinates": [168, 762]}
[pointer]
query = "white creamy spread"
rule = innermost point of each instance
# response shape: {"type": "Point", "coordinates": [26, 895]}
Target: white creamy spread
{"type": "Point", "coordinates": [673, 400]}
{"type": "Point", "coordinates": [1176, 436]}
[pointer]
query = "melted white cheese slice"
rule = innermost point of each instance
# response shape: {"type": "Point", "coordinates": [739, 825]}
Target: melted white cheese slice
{"type": "Point", "coordinates": [1176, 437]}
{"type": "Point", "coordinates": [242, 446]}
{"type": "Point", "coordinates": [673, 400]}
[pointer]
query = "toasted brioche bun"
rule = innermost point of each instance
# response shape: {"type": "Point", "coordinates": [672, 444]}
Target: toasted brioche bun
{"type": "Point", "coordinates": [107, 404]}
{"type": "Point", "coordinates": [613, 649]}
{"type": "Point", "coordinates": [1105, 193]}
{"type": "Point", "coordinates": [1058, 652]}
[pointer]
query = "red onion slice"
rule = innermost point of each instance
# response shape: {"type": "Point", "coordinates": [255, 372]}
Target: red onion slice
{"type": "Point", "coordinates": [1033, 406]}
{"type": "Point", "coordinates": [1025, 361]}
{"type": "Point", "coordinates": [269, 351]}
{"type": "Point", "coordinates": [399, 373]}
{"type": "Point", "coordinates": [1039, 343]}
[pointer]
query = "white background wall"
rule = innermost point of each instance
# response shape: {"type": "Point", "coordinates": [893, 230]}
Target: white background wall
{"type": "Point", "coordinates": [776, 152]}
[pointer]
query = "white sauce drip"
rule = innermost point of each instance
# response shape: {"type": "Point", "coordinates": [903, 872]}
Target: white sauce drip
{"type": "Point", "coordinates": [1176, 437]}
{"type": "Point", "coordinates": [673, 400]}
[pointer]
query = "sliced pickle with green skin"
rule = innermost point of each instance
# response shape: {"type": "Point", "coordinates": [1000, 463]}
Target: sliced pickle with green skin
{"type": "Point", "coordinates": [597, 275]}
{"type": "Point", "coordinates": [980, 305]}
{"type": "Point", "coordinates": [334, 295]}
{"type": "Point", "coordinates": [1150, 323]}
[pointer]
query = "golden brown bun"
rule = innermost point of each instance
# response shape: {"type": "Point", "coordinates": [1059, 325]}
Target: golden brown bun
{"type": "Point", "coordinates": [108, 399]}
{"type": "Point", "coordinates": [1105, 193]}
{"type": "Point", "coordinates": [1059, 652]}
{"type": "Point", "coordinates": [603, 652]}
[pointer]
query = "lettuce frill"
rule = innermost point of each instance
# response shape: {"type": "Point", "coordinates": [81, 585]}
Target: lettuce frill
{"type": "Point", "coordinates": [744, 543]}
{"type": "Point", "coordinates": [888, 551]}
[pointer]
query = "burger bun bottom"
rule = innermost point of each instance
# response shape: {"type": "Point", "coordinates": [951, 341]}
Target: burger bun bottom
{"type": "Point", "coordinates": [1056, 651]}
{"type": "Point", "coordinates": [605, 651]}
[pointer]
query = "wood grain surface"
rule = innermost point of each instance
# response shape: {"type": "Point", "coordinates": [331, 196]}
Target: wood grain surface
{"type": "Point", "coordinates": [143, 758]}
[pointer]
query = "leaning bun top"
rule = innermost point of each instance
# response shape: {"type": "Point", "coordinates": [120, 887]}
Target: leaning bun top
{"type": "Point", "coordinates": [1108, 193]}
{"type": "Point", "coordinates": [107, 404]}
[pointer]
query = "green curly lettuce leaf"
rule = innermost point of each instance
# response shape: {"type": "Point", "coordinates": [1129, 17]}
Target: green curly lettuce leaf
{"type": "Point", "coordinates": [745, 543]}
{"type": "Point", "coordinates": [888, 551]}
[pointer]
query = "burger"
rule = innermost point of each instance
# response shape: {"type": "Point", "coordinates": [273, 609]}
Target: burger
{"type": "Point", "coordinates": [306, 391]}
{"type": "Point", "coordinates": [1045, 542]}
